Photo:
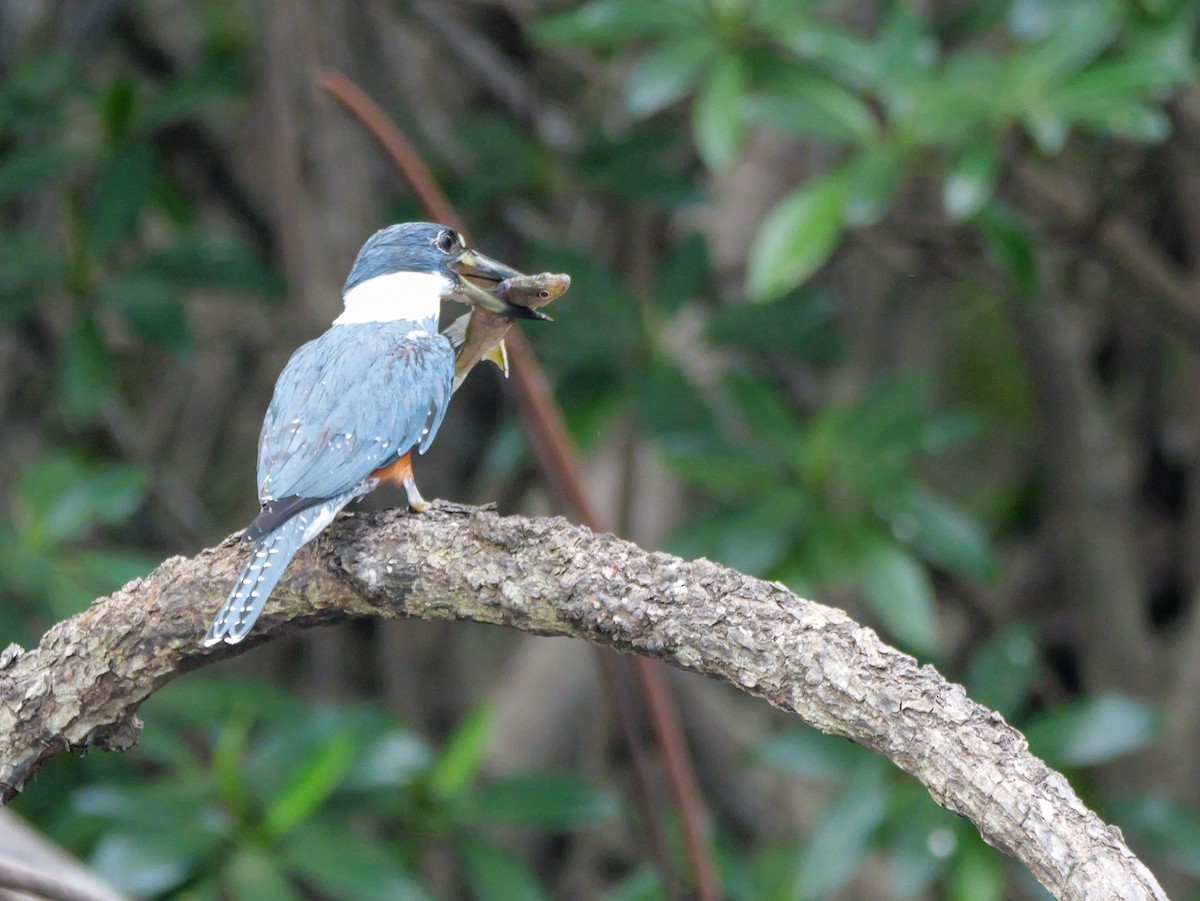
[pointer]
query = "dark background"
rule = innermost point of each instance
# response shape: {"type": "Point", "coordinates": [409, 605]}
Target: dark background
{"type": "Point", "coordinates": [895, 303]}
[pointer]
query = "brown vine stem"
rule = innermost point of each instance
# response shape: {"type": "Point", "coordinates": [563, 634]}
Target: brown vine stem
{"type": "Point", "coordinates": [561, 466]}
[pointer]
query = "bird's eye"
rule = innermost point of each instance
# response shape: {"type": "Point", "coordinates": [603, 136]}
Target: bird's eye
{"type": "Point", "coordinates": [447, 241]}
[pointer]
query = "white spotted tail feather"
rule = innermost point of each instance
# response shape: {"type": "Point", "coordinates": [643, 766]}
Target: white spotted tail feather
{"type": "Point", "coordinates": [271, 557]}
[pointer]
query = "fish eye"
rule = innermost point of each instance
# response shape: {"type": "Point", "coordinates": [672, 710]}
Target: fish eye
{"type": "Point", "coordinates": [447, 241]}
{"type": "Point", "coordinates": [543, 294]}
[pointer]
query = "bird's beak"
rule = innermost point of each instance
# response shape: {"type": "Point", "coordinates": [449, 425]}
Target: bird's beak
{"type": "Point", "coordinates": [472, 264]}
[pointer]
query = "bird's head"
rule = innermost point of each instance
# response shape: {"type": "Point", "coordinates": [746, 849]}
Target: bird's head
{"type": "Point", "coordinates": [426, 259]}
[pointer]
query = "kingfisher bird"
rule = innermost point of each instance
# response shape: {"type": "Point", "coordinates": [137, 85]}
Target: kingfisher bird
{"type": "Point", "coordinates": [352, 405]}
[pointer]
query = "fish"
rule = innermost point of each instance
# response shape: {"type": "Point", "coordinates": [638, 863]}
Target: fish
{"type": "Point", "coordinates": [479, 334]}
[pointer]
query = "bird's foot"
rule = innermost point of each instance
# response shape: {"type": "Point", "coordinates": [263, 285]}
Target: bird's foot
{"type": "Point", "coordinates": [416, 503]}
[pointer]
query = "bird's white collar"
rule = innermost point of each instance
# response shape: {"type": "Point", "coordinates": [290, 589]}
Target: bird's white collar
{"type": "Point", "coordinates": [412, 296]}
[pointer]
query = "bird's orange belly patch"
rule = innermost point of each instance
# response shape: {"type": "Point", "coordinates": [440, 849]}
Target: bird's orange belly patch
{"type": "Point", "coordinates": [395, 472]}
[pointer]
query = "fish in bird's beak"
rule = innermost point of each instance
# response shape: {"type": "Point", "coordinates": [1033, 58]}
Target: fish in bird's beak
{"type": "Point", "coordinates": [479, 335]}
{"type": "Point", "coordinates": [472, 264]}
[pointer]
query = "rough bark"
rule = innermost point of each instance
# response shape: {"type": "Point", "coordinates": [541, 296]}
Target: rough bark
{"type": "Point", "coordinates": [81, 686]}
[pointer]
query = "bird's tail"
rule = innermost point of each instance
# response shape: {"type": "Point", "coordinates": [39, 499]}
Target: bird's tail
{"type": "Point", "coordinates": [272, 554]}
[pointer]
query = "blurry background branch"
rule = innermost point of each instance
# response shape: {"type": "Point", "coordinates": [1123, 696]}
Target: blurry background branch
{"type": "Point", "coordinates": [81, 686]}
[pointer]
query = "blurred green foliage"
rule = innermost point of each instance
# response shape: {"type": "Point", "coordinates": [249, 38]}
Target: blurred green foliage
{"type": "Point", "coordinates": [102, 285]}
{"type": "Point", "coordinates": [834, 491]}
{"type": "Point", "coordinates": [252, 794]}
{"type": "Point", "coordinates": [904, 99]}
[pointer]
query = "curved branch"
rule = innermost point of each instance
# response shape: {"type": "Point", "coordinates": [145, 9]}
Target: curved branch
{"type": "Point", "coordinates": [81, 686]}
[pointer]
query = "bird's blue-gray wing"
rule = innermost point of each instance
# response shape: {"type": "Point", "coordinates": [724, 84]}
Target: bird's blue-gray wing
{"type": "Point", "coordinates": [350, 402]}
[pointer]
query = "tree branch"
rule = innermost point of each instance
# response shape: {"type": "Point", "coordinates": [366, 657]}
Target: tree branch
{"type": "Point", "coordinates": [81, 686]}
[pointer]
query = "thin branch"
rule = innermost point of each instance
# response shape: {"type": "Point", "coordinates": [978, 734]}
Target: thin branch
{"type": "Point", "coordinates": [1166, 293]}
{"type": "Point", "coordinates": [397, 146]}
{"type": "Point", "coordinates": [81, 686]}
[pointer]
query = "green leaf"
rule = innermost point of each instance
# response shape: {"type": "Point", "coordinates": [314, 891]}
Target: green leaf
{"type": "Point", "coordinates": [462, 756]}
{"type": "Point", "coordinates": [604, 22]}
{"type": "Point", "coordinates": [122, 190]}
{"type": "Point", "coordinates": [1003, 670]}
{"type": "Point", "coordinates": [1079, 36]}
{"type": "Point", "coordinates": [159, 832]}
{"type": "Point", "coordinates": [61, 499]}
{"type": "Point", "coordinates": [840, 838]}
{"type": "Point", "coordinates": [871, 182]}
{"type": "Point", "coordinates": [686, 275]}
{"type": "Point", "coordinates": [116, 108]}
{"type": "Point", "coordinates": [107, 570]}
{"type": "Point", "coordinates": [508, 160]}
{"type": "Point", "coordinates": [797, 237]}
{"type": "Point", "coordinates": [1136, 122]}
{"type": "Point", "coordinates": [811, 106]}
{"type": "Point", "coordinates": [1008, 243]}
{"type": "Point", "coordinates": [672, 409]}
{"type": "Point", "coordinates": [717, 125]}
{"type": "Point", "coordinates": [918, 838]}
{"type": "Point", "coordinates": [1165, 824]}
{"type": "Point", "coordinates": [24, 171]}
{"type": "Point", "coordinates": [339, 862]}
{"type": "Point", "coordinates": [754, 538]}
{"type": "Point", "coordinates": [1121, 80]}
{"type": "Point", "coordinates": [300, 747]}
{"type": "Point", "coordinates": [803, 325]}
{"type": "Point", "coordinates": [202, 92]}
{"type": "Point", "coordinates": [544, 800]}
{"type": "Point", "coordinates": [161, 807]}
{"type": "Point", "coordinates": [1118, 98]}
{"type": "Point", "coordinates": [665, 75]}
{"type": "Point", "coordinates": [29, 267]}
{"type": "Point", "coordinates": [643, 884]}
{"type": "Point", "coordinates": [949, 109]}
{"type": "Point", "coordinates": [85, 374]}
{"type": "Point", "coordinates": [142, 864]}
{"type": "Point", "coordinates": [152, 306]}
{"type": "Point", "coordinates": [640, 164]}
{"type": "Point", "coordinates": [977, 874]}
{"type": "Point", "coordinates": [109, 494]}
{"type": "Point", "coordinates": [942, 533]}
{"type": "Point", "coordinates": [769, 874]}
{"type": "Point", "coordinates": [971, 181]}
{"type": "Point", "coordinates": [313, 785]}
{"type": "Point", "coordinates": [835, 50]}
{"type": "Point", "coordinates": [34, 85]}
{"type": "Point", "coordinates": [495, 875]}
{"type": "Point", "coordinates": [899, 591]}
{"type": "Point", "coordinates": [729, 471]}
{"type": "Point", "coordinates": [194, 262]}
{"type": "Point", "coordinates": [1047, 128]}
{"type": "Point", "coordinates": [229, 753]}
{"type": "Point", "coordinates": [391, 760]}
{"type": "Point", "coordinates": [809, 754]}
{"type": "Point", "coordinates": [252, 875]}
{"type": "Point", "coordinates": [766, 412]}
{"type": "Point", "coordinates": [1165, 45]}
{"type": "Point", "coordinates": [1094, 730]}
{"type": "Point", "coordinates": [595, 297]}
{"type": "Point", "coordinates": [196, 704]}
